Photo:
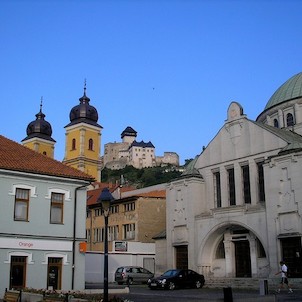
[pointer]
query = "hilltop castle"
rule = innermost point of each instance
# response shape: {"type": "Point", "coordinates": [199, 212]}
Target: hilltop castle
{"type": "Point", "coordinates": [137, 154]}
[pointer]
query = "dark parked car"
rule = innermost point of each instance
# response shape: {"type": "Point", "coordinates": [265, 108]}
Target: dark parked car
{"type": "Point", "coordinates": [132, 274]}
{"type": "Point", "coordinates": [177, 278]}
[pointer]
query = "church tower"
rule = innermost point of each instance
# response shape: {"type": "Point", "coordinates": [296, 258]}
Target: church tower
{"type": "Point", "coordinates": [39, 135]}
{"type": "Point", "coordinates": [83, 139]}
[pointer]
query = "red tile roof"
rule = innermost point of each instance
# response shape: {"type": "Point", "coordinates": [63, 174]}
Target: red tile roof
{"type": "Point", "coordinates": [93, 195]}
{"type": "Point", "coordinates": [16, 157]}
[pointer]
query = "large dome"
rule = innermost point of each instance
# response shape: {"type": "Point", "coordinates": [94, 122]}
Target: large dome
{"type": "Point", "coordinates": [84, 112]}
{"type": "Point", "coordinates": [39, 128]}
{"type": "Point", "coordinates": [291, 89]}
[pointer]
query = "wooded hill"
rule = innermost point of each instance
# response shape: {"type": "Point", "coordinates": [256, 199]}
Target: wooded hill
{"type": "Point", "coordinates": [140, 178]}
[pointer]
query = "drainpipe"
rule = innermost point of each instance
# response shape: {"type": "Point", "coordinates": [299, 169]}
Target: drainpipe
{"type": "Point", "coordinates": [74, 233]}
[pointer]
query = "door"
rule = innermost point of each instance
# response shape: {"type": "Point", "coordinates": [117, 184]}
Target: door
{"type": "Point", "coordinates": [182, 257]}
{"type": "Point", "coordinates": [54, 273]}
{"type": "Point", "coordinates": [18, 272]}
{"type": "Point", "coordinates": [243, 259]}
{"type": "Point", "coordinates": [292, 256]}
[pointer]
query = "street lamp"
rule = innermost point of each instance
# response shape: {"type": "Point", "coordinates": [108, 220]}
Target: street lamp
{"type": "Point", "coordinates": [105, 199]}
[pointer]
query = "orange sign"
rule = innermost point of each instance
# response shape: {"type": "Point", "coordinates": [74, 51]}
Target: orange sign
{"type": "Point", "coordinates": [83, 247]}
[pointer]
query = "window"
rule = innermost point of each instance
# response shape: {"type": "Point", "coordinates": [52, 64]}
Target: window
{"type": "Point", "coordinates": [113, 233]}
{"type": "Point", "coordinates": [220, 252]}
{"type": "Point", "coordinates": [21, 204]}
{"type": "Point", "coordinates": [231, 184]}
{"type": "Point", "coordinates": [98, 212]}
{"type": "Point", "coordinates": [276, 123]}
{"type": "Point", "coordinates": [129, 206]}
{"type": "Point", "coordinates": [90, 144]}
{"type": "Point", "coordinates": [260, 249]}
{"type": "Point", "coordinates": [114, 209]}
{"type": "Point", "coordinates": [73, 147]}
{"type": "Point", "coordinates": [88, 235]}
{"type": "Point", "coordinates": [217, 189]}
{"type": "Point", "coordinates": [56, 208]}
{"type": "Point", "coordinates": [246, 184]}
{"type": "Point", "coordinates": [289, 120]}
{"type": "Point", "coordinates": [129, 231]}
{"type": "Point", "coordinates": [98, 234]}
{"type": "Point", "coordinates": [261, 191]}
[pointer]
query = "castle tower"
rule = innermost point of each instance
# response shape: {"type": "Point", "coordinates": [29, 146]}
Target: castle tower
{"type": "Point", "coordinates": [83, 139]}
{"type": "Point", "coordinates": [39, 134]}
{"type": "Point", "coordinates": [129, 135]}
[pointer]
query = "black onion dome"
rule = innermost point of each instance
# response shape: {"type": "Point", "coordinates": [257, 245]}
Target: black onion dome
{"type": "Point", "coordinates": [84, 112]}
{"type": "Point", "coordinates": [39, 128]}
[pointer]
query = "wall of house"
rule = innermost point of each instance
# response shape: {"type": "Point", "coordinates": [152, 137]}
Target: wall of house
{"type": "Point", "coordinates": [38, 239]}
{"type": "Point", "coordinates": [136, 255]}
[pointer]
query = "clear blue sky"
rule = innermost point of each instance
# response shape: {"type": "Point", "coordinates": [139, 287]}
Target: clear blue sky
{"type": "Point", "coordinates": [169, 69]}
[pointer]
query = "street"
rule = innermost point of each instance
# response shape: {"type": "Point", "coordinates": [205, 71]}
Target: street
{"type": "Point", "coordinates": [141, 293]}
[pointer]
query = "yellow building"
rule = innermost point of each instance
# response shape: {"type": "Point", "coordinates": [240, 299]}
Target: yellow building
{"type": "Point", "coordinates": [137, 217]}
{"type": "Point", "coordinates": [83, 139]}
{"type": "Point", "coordinates": [39, 134]}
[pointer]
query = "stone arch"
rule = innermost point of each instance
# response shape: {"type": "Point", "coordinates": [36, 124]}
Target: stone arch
{"type": "Point", "coordinates": [232, 233]}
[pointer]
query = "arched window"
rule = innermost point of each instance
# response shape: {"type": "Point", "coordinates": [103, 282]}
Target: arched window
{"type": "Point", "coordinates": [220, 253]}
{"type": "Point", "coordinates": [260, 249]}
{"type": "Point", "coordinates": [289, 120]}
{"type": "Point", "coordinates": [276, 123]}
{"type": "Point", "coordinates": [90, 144]}
{"type": "Point", "coordinates": [73, 147]}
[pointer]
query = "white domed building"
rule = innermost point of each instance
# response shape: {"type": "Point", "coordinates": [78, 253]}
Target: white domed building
{"type": "Point", "coordinates": [236, 211]}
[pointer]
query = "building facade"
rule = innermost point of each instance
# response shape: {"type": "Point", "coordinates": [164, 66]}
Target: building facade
{"type": "Point", "coordinates": [42, 229]}
{"type": "Point", "coordinates": [135, 216]}
{"type": "Point", "coordinates": [236, 211]}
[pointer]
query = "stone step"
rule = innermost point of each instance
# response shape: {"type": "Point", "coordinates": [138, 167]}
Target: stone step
{"type": "Point", "coordinates": [248, 283]}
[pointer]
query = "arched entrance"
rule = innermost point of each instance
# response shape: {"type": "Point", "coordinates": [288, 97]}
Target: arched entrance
{"type": "Point", "coordinates": [234, 251]}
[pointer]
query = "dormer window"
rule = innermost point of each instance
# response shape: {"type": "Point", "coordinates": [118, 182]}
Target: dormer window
{"type": "Point", "coordinates": [276, 123]}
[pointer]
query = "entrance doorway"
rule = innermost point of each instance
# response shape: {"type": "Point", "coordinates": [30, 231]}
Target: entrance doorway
{"type": "Point", "coordinates": [54, 273]}
{"type": "Point", "coordinates": [181, 256]}
{"type": "Point", "coordinates": [292, 255]}
{"type": "Point", "coordinates": [243, 259]}
{"type": "Point", "coordinates": [18, 272]}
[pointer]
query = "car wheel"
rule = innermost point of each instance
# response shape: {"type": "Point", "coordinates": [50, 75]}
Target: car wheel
{"type": "Point", "coordinates": [130, 281]}
{"type": "Point", "coordinates": [171, 286]}
{"type": "Point", "coordinates": [198, 284]}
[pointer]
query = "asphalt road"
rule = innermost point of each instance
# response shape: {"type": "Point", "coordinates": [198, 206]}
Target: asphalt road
{"type": "Point", "coordinates": [141, 293]}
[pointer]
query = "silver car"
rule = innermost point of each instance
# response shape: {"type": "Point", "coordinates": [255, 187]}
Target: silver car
{"type": "Point", "coordinates": [132, 274]}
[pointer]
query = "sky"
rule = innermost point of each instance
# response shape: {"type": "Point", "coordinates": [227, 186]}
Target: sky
{"type": "Point", "coordinates": [167, 68]}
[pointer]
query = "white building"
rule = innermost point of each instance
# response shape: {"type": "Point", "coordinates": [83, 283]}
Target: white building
{"type": "Point", "coordinates": [42, 221]}
{"type": "Point", "coordinates": [236, 211]}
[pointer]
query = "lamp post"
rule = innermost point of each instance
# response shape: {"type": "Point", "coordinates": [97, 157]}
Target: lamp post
{"type": "Point", "coordinates": [105, 199]}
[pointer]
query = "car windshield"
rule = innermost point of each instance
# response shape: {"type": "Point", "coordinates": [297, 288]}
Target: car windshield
{"type": "Point", "coordinates": [170, 273]}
